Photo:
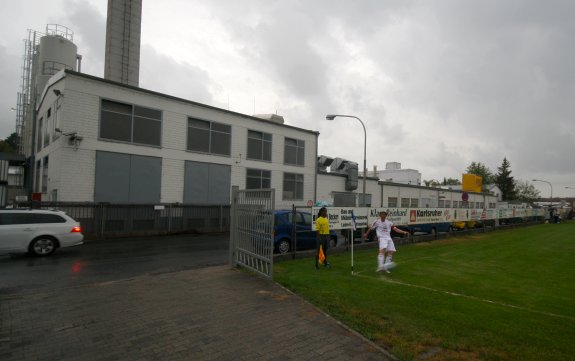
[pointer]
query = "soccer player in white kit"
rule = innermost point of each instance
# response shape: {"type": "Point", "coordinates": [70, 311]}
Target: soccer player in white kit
{"type": "Point", "coordinates": [383, 228]}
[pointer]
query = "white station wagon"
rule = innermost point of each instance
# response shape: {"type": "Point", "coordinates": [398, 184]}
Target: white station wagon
{"type": "Point", "coordinates": [39, 232]}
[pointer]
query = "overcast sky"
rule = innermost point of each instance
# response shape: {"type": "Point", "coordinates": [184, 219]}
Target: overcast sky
{"type": "Point", "coordinates": [438, 84]}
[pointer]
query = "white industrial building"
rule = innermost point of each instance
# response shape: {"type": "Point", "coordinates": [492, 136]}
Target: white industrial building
{"type": "Point", "coordinates": [332, 191]}
{"type": "Point", "coordinates": [103, 141]}
{"type": "Point", "coordinates": [394, 173]}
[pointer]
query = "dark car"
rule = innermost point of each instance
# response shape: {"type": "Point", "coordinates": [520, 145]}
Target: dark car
{"type": "Point", "coordinates": [431, 228]}
{"type": "Point", "coordinates": [306, 238]}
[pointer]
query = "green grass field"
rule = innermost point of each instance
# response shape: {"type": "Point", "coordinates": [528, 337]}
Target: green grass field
{"type": "Point", "coordinates": [503, 295]}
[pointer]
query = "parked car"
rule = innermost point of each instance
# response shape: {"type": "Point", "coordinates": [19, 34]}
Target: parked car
{"type": "Point", "coordinates": [306, 238]}
{"type": "Point", "coordinates": [430, 228]}
{"type": "Point", "coordinates": [39, 232]}
{"type": "Point", "coordinates": [464, 225]}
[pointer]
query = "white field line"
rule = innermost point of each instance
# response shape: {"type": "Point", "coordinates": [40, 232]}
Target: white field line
{"type": "Point", "coordinates": [385, 279]}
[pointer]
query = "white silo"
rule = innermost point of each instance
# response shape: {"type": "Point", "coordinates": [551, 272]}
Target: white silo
{"type": "Point", "coordinates": [55, 52]}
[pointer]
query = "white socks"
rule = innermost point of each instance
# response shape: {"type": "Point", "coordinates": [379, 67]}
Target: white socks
{"type": "Point", "coordinates": [389, 258]}
{"type": "Point", "coordinates": [380, 260]}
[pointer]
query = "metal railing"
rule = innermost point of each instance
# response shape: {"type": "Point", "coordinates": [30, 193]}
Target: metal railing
{"type": "Point", "coordinates": [103, 220]}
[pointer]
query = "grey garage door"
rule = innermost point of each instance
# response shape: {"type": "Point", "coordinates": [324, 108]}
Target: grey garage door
{"type": "Point", "coordinates": [206, 183]}
{"type": "Point", "coordinates": [127, 178]}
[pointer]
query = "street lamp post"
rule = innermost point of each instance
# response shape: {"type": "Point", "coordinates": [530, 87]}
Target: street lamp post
{"type": "Point", "coordinates": [332, 117]}
{"type": "Point", "coordinates": [550, 185]}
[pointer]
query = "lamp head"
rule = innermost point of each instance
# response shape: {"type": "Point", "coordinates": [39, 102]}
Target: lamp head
{"type": "Point", "coordinates": [330, 116]}
{"type": "Point", "coordinates": [57, 92]}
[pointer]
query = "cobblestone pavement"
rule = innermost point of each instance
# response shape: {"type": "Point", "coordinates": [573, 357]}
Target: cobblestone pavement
{"type": "Point", "coordinates": [214, 313]}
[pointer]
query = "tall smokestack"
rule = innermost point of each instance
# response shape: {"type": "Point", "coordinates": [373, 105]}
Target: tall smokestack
{"type": "Point", "coordinates": [123, 30]}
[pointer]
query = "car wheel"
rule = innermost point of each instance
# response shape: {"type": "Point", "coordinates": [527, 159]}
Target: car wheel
{"type": "Point", "coordinates": [284, 246]}
{"type": "Point", "coordinates": [43, 246]}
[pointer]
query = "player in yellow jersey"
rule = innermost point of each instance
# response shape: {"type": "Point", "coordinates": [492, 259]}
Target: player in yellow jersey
{"type": "Point", "coordinates": [322, 226]}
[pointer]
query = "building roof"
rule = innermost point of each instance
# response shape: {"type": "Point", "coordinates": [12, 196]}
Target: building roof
{"type": "Point", "coordinates": [171, 97]}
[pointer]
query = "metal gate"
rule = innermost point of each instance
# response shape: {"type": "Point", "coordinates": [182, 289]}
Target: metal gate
{"type": "Point", "coordinates": [251, 230]}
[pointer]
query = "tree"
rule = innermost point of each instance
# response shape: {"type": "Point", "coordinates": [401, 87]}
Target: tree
{"type": "Point", "coordinates": [481, 170]}
{"type": "Point", "coordinates": [505, 181]}
{"type": "Point", "coordinates": [432, 183]}
{"type": "Point", "coordinates": [451, 181]}
{"type": "Point", "coordinates": [526, 192]}
{"type": "Point", "coordinates": [10, 144]}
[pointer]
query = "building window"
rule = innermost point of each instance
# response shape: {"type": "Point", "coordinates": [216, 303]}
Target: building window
{"type": "Point", "coordinates": [258, 179]}
{"type": "Point", "coordinates": [392, 202]}
{"type": "Point", "coordinates": [259, 145]}
{"type": "Point", "coordinates": [48, 126]}
{"type": "Point", "coordinates": [16, 176]}
{"type": "Point", "coordinates": [293, 186]}
{"type": "Point", "coordinates": [414, 203]}
{"type": "Point", "coordinates": [37, 175]}
{"type": "Point", "coordinates": [441, 203]}
{"type": "Point", "coordinates": [447, 204]}
{"type": "Point", "coordinates": [404, 202]}
{"type": "Point", "coordinates": [57, 117]}
{"type": "Point", "coordinates": [45, 175]}
{"type": "Point", "coordinates": [130, 123]}
{"type": "Point", "coordinates": [294, 151]}
{"type": "Point", "coordinates": [209, 137]}
{"type": "Point", "coordinates": [39, 135]}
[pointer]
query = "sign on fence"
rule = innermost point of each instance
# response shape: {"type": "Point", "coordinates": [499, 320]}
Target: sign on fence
{"type": "Point", "coordinates": [341, 217]}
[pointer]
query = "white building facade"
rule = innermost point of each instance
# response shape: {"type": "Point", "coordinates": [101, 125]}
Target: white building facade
{"type": "Point", "coordinates": [101, 141]}
{"type": "Point", "coordinates": [331, 191]}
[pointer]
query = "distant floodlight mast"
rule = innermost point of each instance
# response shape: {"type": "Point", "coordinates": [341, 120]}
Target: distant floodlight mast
{"type": "Point", "coordinates": [332, 117]}
{"type": "Point", "coordinates": [550, 185]}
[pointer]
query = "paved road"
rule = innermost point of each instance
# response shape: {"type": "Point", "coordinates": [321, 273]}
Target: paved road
{"type": "Point", "coordinates": [112, 260]}
{"type": "Point", "coordinates": [160, 299]}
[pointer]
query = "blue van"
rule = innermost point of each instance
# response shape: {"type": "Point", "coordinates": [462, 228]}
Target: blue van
{"type": "Point", "coordinates": [306, 238]}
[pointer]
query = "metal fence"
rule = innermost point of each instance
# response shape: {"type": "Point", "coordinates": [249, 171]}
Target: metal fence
{"type": "Point", "coordinates": [103, 220]}
{"type": "Point", "coordinates": [251, 238]}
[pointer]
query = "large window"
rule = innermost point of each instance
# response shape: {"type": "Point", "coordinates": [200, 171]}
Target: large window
{"type": "Point", "coordinates": [414, 203]}
{"type": "Point", "coordinates": [130, 123]}
{"type": "Point", "coordinates": [209, 137]}
{"type": "Point", "coordinates": [293, 186]}
{"type": "Point", "coordinates": [392, 202]}
{"type": "Point", "coordinates": [404, 202]}
{"type": "Point", "coordinates": [259, 145]}
{"type": "Point", "coordinates": [38, 170]}
{"type": "Point", "coordinates": [294, 151]}
{"type": "Point", "coordinates": [45, 175]}
{"type": "Point", "coordinates": [49, 127]}
{"type": "Point", "coordinates": [39, 135]}
{"type": "Point", "coordinates": [258, 179]}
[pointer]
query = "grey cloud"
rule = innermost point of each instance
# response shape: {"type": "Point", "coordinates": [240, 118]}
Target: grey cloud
{"type": "Point", "coordinates": [163, 74]}
{"type": "Point", "coordinates": [10, 80]}
{"type": "Point", "coordinates": [89, 27]}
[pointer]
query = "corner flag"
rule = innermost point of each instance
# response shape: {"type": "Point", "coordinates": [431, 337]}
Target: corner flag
{"type": "Point", "coordinates": [321, 255]}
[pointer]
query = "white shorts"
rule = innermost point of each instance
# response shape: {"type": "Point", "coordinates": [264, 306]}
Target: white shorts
{"type": "Point", "coordinates": [385, 243]}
